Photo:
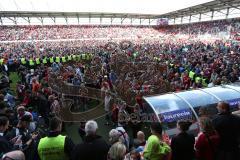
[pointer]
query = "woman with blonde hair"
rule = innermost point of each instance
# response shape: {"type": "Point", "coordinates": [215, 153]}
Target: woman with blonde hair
{"type": "Point", "coordinates": [117, 151]}
{"type": "Point", "coordinates": [207, 141]}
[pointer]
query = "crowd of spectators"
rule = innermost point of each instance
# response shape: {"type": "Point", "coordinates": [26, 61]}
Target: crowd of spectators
{"type": "Point", "coordinates": [212, 27]}
{"type": "Point", "coordinates": [13, 33]}
{"type": "Point", "coordinates": [218, 139]}
{"type": "Point", "coordinates": [9, 33]}
{"type": "Point", "coordinates": [188, 64]}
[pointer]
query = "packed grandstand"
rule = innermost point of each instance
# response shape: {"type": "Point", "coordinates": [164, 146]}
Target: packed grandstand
{"type": "Point", "coordinates": [60, 83]}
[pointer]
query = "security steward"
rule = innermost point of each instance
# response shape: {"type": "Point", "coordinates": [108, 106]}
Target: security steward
{"type": "Point", "coordinates": [55, 146]}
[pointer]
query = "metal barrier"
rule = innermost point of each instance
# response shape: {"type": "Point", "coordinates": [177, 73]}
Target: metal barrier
{"type": "Point", "coordinates": [119, 93]}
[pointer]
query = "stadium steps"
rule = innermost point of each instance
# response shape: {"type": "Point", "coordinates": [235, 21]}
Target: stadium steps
{"type": "Point", "coordinates": [68, 116]}
{"type": "Point", "coordinates": [65, 90]}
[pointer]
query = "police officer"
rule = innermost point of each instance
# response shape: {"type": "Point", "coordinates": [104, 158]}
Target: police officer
{"type": "Point", "coordinates": [38, 62]}
{"type": "Point", "coordinates": [31, 63]}
{"type": "Point", "coordinates": [23, 61]}
{"type": "Point", "coordinates": [69, 57]}
{"type": "Point", "coordinates": [55, 146]}
{"type": "Point", "coordinates": [45, 60]}
{"type": "Point", "coordinates": [57, 59]}
{"type": "Point", "coordinates": [63, 58]}
{"type": "Point", "coordinates": [51, 59]}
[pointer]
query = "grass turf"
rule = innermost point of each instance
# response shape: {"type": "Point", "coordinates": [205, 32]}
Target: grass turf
{"type": "Point", "coordinates": [15, 78]}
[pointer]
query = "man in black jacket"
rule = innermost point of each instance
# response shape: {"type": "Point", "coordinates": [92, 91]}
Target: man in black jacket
{"type": "Point", "coordinates": [182, 145]}
{"type": "Point", "coordinates": [93, 147]}
{"type": "Point", "coordinates": [5, 146]}
{"type": "Point", "coordinates": [228, 127]}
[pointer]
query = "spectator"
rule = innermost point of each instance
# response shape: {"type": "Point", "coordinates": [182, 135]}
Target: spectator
{"type": "Point", "coordinates": [20, 88]}
{"type": "Point", "coordinates": [22, 134]}
{"type": "Point", "coordinates": [42, 106]}
{"type": "Point", "coordinates": [10, 99]}
{"type": "Point", "coordinates": [117, 151]}
{"type": "Point", "coordinates": [208, 140]}
{"type": "Point", "coordinates": [228, 127]}
{"type": "Point", "coordinates": [183, 144]}
{"type": "Point", "coordinates": [35, 85]}
{"type": "Point", "coordinates": [3, 105]}
{"type": "Point", "coordinates": [54, 104]}
{"type": "Point", "coordinates": [115, 136]}
{"type": "Point", "coordinates": [124, 137]}
{"type": "Point", "coordinates": [93, 147]}
{"type": "Point", "coordinates": [133, 155]}
{"type": "Point", "coordinates": [27, 98]}
{"type": "Point", "coordinates": [22, 112]}
{"type": "Point", "coordinates": [81, 130]}
{"type": "Point", "coordinates": [5, 145]}
{"type": "Point", "coordinates": [155, 148]}
{"type": "Point", "coordinates": [55, 146]}
{"type": "Point", "coordinates": [107, 107]}
{"type": "Point", "coordinates": [140, 140]}
{"type": "Point", "coordinates": [204, 112]}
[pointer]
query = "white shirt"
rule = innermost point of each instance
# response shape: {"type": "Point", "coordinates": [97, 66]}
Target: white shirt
{"type": "Point", "coordinates": [107, 103]}
{"type": "Point", "coordinates": [6, 67]}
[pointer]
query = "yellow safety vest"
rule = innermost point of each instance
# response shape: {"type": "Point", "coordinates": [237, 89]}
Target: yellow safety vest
{"type": "Point", "coordinates": [87, 57]}
{"type": "Point", "coordinates": [31, 62]}
{"type": "Point", "coordinates": [23, 61]}
{"type": "Point", "coordinates": [78, 57]}
{"type": "Point", "coordinates": [52, 148]}
{"type": "Point", "coordinates": [51, 59]}
{"type": "Point", "coordinates": [204, 83]}
{"type": "Point", "coordinates": [91, 56]}
{"type": "Point", "coordinates": [74, 57]}
{"type": "Point", "coordinates": [191, 75]}
{"type": "Point", "coordinates": [37, 60]}
{"type": "Point", "coordinates": [44, 60]}
{"type": "Point", "coordinates": [83, 56]}
{"type": "Point", "coordinates": [63, 59]}
{"type": "Point", "coordinates": [198, 79]}
{"type": "Point", "coordinates": [69, 58]}
{"type": "Point", "coordinates": [1, 61]}
{"type": "Point", "coordinates": [57, 59]}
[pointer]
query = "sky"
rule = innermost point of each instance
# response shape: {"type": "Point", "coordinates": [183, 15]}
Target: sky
{"type": "Point", "coordinates": [111, 6]}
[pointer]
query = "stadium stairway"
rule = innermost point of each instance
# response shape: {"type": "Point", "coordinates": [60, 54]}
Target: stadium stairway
{"type": "Point", "coordinates": [65, 90]}
{"type": "Point", "coordinates": [68, 116]}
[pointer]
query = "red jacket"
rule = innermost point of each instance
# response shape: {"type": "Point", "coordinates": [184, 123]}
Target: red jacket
{"type": "Point", "coordinates": [204, 149]}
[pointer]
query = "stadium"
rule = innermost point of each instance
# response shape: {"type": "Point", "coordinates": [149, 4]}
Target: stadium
{"type": "Point", "coordinates": [120, 80]}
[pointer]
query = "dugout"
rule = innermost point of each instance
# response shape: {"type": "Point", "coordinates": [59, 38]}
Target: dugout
{"type": "Point", "coordinates": [171, 107]}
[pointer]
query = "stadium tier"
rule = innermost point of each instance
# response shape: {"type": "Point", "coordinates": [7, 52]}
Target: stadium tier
{"type": "Point", "coordinates": [228, 27]}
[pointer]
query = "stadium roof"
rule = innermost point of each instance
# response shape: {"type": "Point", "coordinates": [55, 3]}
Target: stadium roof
{"type": "Point", "coordinates": [216, 5]}
{"type": "Point", "coordinates": [100, 6]}
{"type": "Point", "coordinates": [73, 14]}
